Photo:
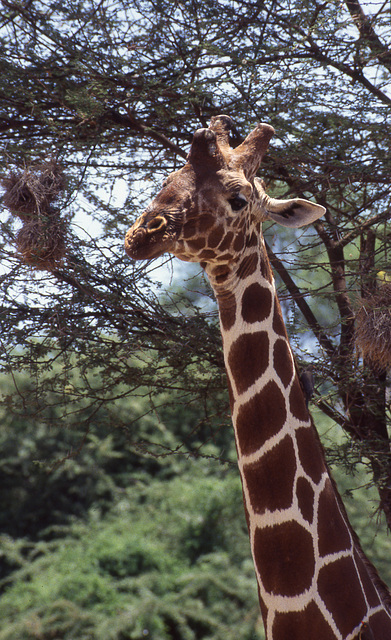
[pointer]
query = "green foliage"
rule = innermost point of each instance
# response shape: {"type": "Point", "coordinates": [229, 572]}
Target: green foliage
{"type": "Point", "coordinates": [92, 545]}
{"type": "Point", "coordinates": [362, 503]}
{"type": "Point", "coordinates": [135, 573]}
{"type": "Point", "coordinates": [106, 546]}
{"type": "Point", "coordinates": [52, 468]}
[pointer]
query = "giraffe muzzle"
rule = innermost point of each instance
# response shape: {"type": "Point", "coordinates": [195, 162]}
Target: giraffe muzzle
{"type": "Point", "coordinates": [146, 238]}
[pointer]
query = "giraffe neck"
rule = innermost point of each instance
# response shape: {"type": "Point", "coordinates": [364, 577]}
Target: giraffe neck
{"type": "Point", "coordinates": [304, 550]}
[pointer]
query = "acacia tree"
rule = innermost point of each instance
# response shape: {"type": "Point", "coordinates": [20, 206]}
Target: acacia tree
{"type": "Point", "coordinates": [114, 93]}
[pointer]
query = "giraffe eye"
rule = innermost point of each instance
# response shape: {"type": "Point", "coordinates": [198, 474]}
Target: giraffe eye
{"type": "Point", "coordinates": [238, 202]}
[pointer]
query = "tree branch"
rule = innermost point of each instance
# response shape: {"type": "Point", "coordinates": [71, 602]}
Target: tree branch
{"type": "Point", "coordinates": [367, 224]}
{"type": "Point", "coordinates": [298, 297]}
{"type": "Point", "coordinates": [367, 33]}
{"type": "Point", "coordinates": [130, 122]}
{"type": "Point", "coordinates": [337, 263]}
{"type": "Point", "coordinates": [355, 74]}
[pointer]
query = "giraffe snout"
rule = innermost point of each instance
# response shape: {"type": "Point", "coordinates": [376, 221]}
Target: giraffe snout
{"type": "Point", "coordinates": [147, 238]}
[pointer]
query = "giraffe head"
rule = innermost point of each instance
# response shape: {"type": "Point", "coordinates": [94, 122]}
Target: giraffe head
{"type": "Point", "coordinates": [210, 210]}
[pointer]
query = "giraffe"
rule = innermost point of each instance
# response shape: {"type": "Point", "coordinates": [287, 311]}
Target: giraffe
{"type": "Point", "coordinates": [314, 581]}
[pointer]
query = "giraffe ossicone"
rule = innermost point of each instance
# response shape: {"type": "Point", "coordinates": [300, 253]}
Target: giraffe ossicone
{"type": "Point", "coordinates": [314, 580]}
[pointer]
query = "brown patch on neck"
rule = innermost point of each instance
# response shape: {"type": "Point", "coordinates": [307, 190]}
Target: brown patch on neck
{"type": "Point", "coordinates": [305, 498]}
{"type": "Point", "coordinates": [262, 417]}
{"type": "Point", "coordinates": [339, 598]}
{"type": "Point", "coordinates": [297, 402]}
{"type": "Point", "coordinates": [257, 303]}
{"type": "Point", "coordinates": [227, 310]}
{"type": "Point", "coordinates": [333, 534]}
{"type": "Point", "coordinates": [307, 623]}
{"type": "Point", "coordinates": [310, 453]}
{"type": "Point", "coordinates": [248, 359]}
{"type": "Point", "coordinates": [278, 322]}
{"type": "Point", "coordinates": [270, 481]}
{"type": "Point", "coordinates": [285, 558]}
{"type": "Point", "coordinates": [265, 268]}
{"type": "Point", "coordinates": [282, 361]}
{"type": "Point", "coordinates": [247, 266]}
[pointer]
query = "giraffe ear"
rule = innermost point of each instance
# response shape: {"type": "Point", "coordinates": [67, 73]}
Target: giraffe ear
{"type": "Point", "coordinates": [288, 213]}
{"type": "Point", "coordinates": [293, 213]}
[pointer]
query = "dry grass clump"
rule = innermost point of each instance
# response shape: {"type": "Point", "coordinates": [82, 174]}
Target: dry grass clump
{"type": "Point", "coordinates": [41, 241]}
{"type": "Point", "coordinates": [373, 328]}
{"type": "Point", "coordinates": [42, 244]}
{"type": "Point", "coordinates": [30, 193]}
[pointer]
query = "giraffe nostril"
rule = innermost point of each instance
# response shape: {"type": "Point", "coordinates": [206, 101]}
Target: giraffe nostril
{"type": "Point", "coordinates": [156, 224]}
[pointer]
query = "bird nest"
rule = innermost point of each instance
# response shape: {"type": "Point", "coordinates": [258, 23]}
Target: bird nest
{"type": "Point", "coordinates": [29, 193]}
{"type": "Point", "coordinates": [373, 328]}
{"type": "Point", "coordinates": [42, 243]}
